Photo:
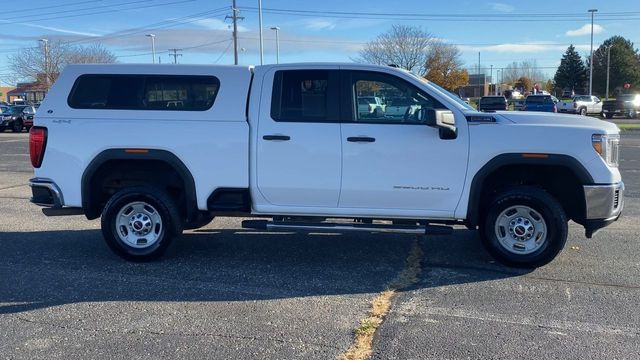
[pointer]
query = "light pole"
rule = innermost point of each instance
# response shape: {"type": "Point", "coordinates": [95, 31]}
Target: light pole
{"type": "Point", "coordinates": [45, 44]}
{"type": "Point", "coordinates": [498, 73]}
{"type": "Point", "coordinates": [490, 78]}
{"type": "Point", "coordinates": [277, 29]}
{"type": "Point", "coordinates": [260, 24]}
{"type": "Point", "coordinates": [153, 47]}
{"type": "Point", "coordinates": [592, 11]}
{"type": "Point", "coordinates": [608, 62]}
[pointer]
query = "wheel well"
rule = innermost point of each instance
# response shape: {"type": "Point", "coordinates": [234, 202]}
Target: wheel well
{"type": "Point", "coordinates": [559, 181]}
{"type": "Point", "coordinates": [105, 178]}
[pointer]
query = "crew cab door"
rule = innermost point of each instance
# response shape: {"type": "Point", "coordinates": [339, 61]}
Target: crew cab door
{"type": "Point", "coordinates": [298, 150]}
{"type": "Point", "coordinates": [392, 161]}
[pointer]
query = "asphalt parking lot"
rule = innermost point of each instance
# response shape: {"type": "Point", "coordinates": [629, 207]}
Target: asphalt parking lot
{"type": "Point", "coordinates": [223, 292]}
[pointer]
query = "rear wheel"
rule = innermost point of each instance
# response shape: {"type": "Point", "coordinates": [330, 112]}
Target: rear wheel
{"type": "Point", "coordinates": [16, 126]}
{"type": "Point", "coordinates": [524, 227]}
{"type": "Point", "coordinates": [632, 114]}
{"type": "Point", "coordinates": [583, 111]}
{"type": "Point", "coordinates": [2, 128]}
{"type": "Point", "coordinates": [608, 115]}
{"type": "Point", "coordinates": [138, 223]}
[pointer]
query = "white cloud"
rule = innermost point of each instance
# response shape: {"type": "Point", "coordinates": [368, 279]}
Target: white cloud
{"type": "Point", "coordinates": [501, 7]}
{"type": "Point", "coordinates": [585, 30]}
{"type": "Point", "coordinates": [319, 24]}
{"type": "Point", "coordinates": [215, 24]}
{"type": "Point", "coordinates": [51, 28]}
{"type": "Point", "coordinates": [534, 47]}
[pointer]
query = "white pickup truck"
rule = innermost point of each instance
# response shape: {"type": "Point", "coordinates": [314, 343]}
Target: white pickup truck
{"type": "Point", "coordinates": [286, 143]}
{"type": "Point", "coordinates": [581, 104]}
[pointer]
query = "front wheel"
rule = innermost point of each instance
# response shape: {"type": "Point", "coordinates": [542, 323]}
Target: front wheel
{"type": "Point", "coordinates": [524, 227]}
{"type": "Point", "coordinates": [583, 111]}
{"type": "Point", "coordinates": [138, 223]}
{"type": "Point", "coordinates": [608, 115]}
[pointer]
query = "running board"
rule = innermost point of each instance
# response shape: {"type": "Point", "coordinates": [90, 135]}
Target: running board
{"type": "Point", "coordinates": [301, 226]}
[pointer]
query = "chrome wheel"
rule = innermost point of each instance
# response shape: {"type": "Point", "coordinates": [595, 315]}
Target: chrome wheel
{"type": "Point", "coordinates": [139, 225]}
{"type": "Point", "coordinates": [521, 230]}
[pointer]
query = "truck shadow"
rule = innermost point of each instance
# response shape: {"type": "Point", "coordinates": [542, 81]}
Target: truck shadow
{"type": "Point", "coordinates": [45, 269]}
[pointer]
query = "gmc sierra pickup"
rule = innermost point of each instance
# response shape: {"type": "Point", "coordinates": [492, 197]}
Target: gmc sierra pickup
{"type": "Point", "coordinates": [154, 150]}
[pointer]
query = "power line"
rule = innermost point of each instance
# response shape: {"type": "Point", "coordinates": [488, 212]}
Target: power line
{"type": "Point", "coordinates": [451, 17]}
{"type": "Point", "coordinates": [27, 17]}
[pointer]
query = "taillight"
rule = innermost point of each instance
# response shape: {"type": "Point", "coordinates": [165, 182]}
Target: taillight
{"type": "Point", "coordinates": [37, 145]}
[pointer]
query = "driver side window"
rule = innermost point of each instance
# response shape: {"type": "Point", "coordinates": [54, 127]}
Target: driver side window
{"type": "Point", "coordinates": [386, 99]}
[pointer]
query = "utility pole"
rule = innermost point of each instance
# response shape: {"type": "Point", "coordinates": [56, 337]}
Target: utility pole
{"type": "Point", "coordinates": [592, 11]}
{"type": "Point", "coordinates": [153, 47]}
{"type": "Point", "coordinates": [234, 17]}
{"type": "Point", "coordinates": [608, 64]}
{"type": "Point", "coordinates": [175, 55]}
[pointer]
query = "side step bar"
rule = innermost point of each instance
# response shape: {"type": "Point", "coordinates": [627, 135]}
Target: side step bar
{"type": "Point", "coordinates": [301, 226]}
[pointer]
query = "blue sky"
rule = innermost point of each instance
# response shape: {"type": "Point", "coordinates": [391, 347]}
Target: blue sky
{"type": "Point", "coordinates": [502, 31]}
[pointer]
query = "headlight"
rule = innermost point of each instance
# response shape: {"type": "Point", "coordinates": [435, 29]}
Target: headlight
{"type": "Point", "coordinates": [608, 146]}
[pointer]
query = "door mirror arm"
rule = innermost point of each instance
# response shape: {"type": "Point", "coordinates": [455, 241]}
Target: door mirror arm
{"type": "Point", "coordinates": [443, 120]}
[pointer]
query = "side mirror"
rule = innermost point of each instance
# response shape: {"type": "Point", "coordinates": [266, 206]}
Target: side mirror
{"type": "Point", "coordinates": [444, 120]}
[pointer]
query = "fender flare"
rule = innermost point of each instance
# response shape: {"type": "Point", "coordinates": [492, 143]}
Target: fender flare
{"type": "Point", "coordinates": [137, 154]}
{"type": "Point", "coordinates": [477, 184]}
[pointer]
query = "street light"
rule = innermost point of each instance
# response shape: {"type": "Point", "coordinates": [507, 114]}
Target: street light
{"type": "Point", "coordinates": [45, 44]}
{"type": "Point", "coordinates": [608, 62]}
{"type": "Point", "coordinates": [592, 11]}
{"type": "Point", "coordinates": [490, 78]}
{"type": "Point", "coordinates": [153, 47]}
{"type": "Point", "coordinates": [498, 73]}
{"type": "Point", "coordinates": [277, 29]}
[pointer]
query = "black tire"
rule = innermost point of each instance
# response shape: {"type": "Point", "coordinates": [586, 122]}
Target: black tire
{"type": "Point", "coordinates": [608, 115]}
{"type": "Point", "coordinates": [164, 206]}
{"type": "Point", "coordinates": [544, 205]}
{"type": "Point", "coordinates": [16, 126]}
{"type": "Point", "coordinates": [2, 128]}
{"type": "Point", "coordinates": [632, 114]}
{"type": "Point", "coordinates": [583, 111]}
{"type": "Point", "coordinates": [201, 220]}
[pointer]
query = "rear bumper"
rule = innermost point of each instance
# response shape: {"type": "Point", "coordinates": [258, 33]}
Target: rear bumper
{"type": "Point", "coordinates": [604, 204]}
{"type": "Point", "coordinates": [46, 193]}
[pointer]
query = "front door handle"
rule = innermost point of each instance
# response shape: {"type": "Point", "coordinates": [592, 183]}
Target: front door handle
{"type": "Point", "coordinates": [277, 137]}
{"type": "Point", "coordinates": [361, 139]}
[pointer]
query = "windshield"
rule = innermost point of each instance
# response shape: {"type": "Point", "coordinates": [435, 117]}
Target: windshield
{"type": "Point", "coordinates": [444, 92]}
{"type": "Point", "coordinates": [493, 100]}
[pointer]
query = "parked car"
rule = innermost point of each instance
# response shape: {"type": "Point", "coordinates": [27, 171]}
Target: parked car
{"type": "Point", "coordinates": [624, 105]}
{"type": "Point", "coordinates": [398, 107]}
{"type": "Point", "coordinates": [567, 94]}
{"type": "Point", "coordinates": [581, 104]}
{"type": "Point", "coordinates": [15, 119]}
{"type": "Point", "coordinates": [286, 143]}
{"type": "Point", "coordinates": [492, 103]}
{"type": "Point", "coordinates": [544, 103]}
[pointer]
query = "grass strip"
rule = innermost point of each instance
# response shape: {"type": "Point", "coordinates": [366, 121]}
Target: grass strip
{"type": "Point", "coordinates": [361, 347]}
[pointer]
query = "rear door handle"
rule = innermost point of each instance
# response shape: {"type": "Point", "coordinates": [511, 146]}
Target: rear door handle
{"type": "Point", "coordinates": [361, 139]}
{"type": "Point", "coordinates": [277, 137]}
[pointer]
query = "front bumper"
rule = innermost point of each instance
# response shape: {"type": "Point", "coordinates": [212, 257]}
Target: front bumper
{"type": "Point", "coordinates": [604, 204]}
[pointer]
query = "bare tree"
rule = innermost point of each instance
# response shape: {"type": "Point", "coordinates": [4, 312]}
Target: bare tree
{"type": "Point", "coordinates": [43, 64]}
{"type": "Point", "coordinates": [405, 46]}
{"type": "Point", "coordinates": [444, 66]}
{"type": "Point", "coordinates": [526, 68]}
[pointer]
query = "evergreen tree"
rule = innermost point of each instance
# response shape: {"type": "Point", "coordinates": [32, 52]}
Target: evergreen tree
{"type": "Point", "coordinates": [624, 67]}
{"type": "Point", "coordinates": [572, 72]}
